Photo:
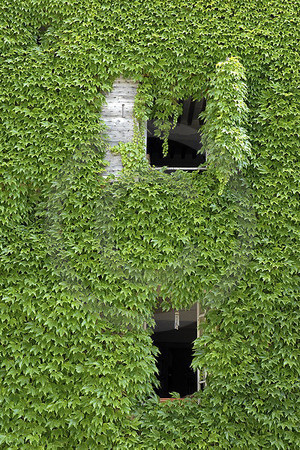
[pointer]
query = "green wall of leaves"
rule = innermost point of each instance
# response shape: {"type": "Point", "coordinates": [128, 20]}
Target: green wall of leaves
{"type": "Point", "coordinates": [82, 257]}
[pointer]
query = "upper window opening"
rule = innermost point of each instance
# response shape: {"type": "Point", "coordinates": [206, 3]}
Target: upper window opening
{"type": "Point", "coordinates": [184, 141]}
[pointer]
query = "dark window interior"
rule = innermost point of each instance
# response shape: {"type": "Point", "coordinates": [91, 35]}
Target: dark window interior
{"type": "Point", "coordinates": [175, 346]}
{"type": "Point", "coordinates": [184, 140]}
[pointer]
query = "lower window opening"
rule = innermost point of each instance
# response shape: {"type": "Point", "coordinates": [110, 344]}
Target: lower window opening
{"type": "Point", "coordinates": [176, 351]}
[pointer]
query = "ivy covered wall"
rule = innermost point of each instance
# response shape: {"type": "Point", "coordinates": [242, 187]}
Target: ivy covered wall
{"type": "Point", "coordinates": [82, 258]}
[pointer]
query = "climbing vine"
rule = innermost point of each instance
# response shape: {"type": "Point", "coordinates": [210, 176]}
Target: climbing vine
{"type": "Point", "coordinates": [223, 135]}
{"type": "Point", "coordinates": [83, 258]}
{"type": "Point", "coordinates": [133, 153]}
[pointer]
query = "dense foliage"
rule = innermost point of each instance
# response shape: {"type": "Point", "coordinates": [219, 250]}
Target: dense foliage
{"type": "Point", "coordinates": [82, 258]}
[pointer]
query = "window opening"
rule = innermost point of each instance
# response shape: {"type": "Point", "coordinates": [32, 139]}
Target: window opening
{"type": "Point", "coordinates": [174, 334]}
{"type": "Point", "coordinates": [184, 141]}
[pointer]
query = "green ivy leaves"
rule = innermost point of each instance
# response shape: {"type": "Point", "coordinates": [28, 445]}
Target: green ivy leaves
{"type": "Point", "coordinates": [223, 134]}
{"type": "Point", "coordinates": [82, 257]}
